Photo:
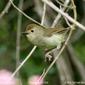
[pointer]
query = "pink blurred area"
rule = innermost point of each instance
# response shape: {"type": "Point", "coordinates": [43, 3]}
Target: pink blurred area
{"type": "Point", "coordinates": [6, 78]}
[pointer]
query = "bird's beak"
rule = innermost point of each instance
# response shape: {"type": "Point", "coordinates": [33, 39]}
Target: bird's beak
{"type": "Point", "coordinates": [25, 33]}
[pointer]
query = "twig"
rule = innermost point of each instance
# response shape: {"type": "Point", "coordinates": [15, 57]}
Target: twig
{"type": "Point", "coordinates": [42, 22]}
{"type": "Point", "coordinates": [72, 28]}
{"type": "Point", "coordinates": [74, 10]}
{"type": "Point", "coordinates": [59, 15]}
{"type": "Point", "coordinates": [31, 52]}
{"type": "Point", "coordinates": [43, 15]}
{"type": "Point", "coordinates": [63, 47]}
{"type": "Point", "coordinates": [75, 16]}
{"type": "Point", "coordinates": [64, 14]}
{"type": "Point", "coordinates": [19, 23]}
{"type": "Point", "coordinates": [5, 9]}
{"type": "Point", "coordinates": [56, 58]}
{"type": "Point", "coordinates": [63, 4]}
{"type": "Point", "coordinates": [70, 33]}
{"type": "Point", "coordinates": [24, 13]}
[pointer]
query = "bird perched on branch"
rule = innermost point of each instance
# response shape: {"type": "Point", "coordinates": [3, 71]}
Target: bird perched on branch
{"type": "Point", "coordinates": [47, 38]}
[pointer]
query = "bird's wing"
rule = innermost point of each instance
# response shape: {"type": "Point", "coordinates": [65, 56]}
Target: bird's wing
{"type": "Point", "coordinates": [50, 31]}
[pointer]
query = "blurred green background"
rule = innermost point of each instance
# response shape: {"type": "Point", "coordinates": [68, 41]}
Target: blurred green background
{"type": "Point", "coordinates": [36, 63]}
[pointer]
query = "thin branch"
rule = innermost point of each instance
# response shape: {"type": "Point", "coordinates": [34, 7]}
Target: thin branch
{"type": "Point", "coordinates": [70, 7]}
{"type": "Point", "coordinates": [57, 57]}
{"type": "Point", "coordinates": [31, 52]}
{"type": "Point", "coordinates": [59, 15]}
{"type": "Point", "coordinates": [64, 14]}
{"type": "Point", "coordinates": [74, 10]}
{"type": "Point", "coordinates": [5, 10]}
{"type": "Point", "coordinates": [75, 16]}
{"type": "Point", "coordinates": [43, 15]}
{"type": "Point", "coordinates": [68, 78]}
{"type": "Point", "coordinates": [24, 13]}
{"type": "Point", "coordinates": [19, 23]}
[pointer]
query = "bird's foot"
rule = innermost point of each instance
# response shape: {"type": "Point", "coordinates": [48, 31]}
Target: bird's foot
{"type": "Point", "coordinates": [59, 46]}
{"type": "Point", "coordinates": [48, 56]}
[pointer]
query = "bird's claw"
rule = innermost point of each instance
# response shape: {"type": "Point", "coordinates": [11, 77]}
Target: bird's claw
{"type": "Point", "coordinates": [48, 57]}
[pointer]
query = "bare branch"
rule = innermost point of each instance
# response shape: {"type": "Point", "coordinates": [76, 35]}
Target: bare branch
{"type": "Point", "coordinates": [57, 57]}
{"type": "Point", "coordinates": [63, 4]}
{"type": "Point", "coordinates": [43, 15]}
{"type": "Point", "coordinates": [31, 52]}
{"type": "Point", "coordinates": [64, 14]}
{"type": "Point", "coordinates": [59, 15]}
{"type": "Point", "coordinates": [18, 68]}
{"type": "Point", "coordinates": [5, 9]}
{"type": "Point", "coordinates": [24, 13]}
{"type": "Point", "coordinates": [19, 23]}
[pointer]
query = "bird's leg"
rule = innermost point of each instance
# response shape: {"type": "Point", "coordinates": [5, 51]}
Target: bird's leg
{"type": "Point", "coordinates": [48, 55]}
{"type": "Point", "coordinates": [59, 46]}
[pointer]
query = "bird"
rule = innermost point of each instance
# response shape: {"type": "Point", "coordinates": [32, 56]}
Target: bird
{"type": "Point", "coordinates": [45, 37]}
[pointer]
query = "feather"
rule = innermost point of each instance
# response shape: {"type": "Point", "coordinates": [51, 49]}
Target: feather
{"type": "Point", "coordinates": [50, 31]}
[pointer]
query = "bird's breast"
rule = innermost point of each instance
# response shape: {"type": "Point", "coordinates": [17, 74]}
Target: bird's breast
{"type": "Point", "coordinates": [47, 42]}
{"type": "Point", "coordinates": [54, 40]}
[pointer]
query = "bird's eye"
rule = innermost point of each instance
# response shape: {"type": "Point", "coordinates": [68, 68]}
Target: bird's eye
{"type": "Point", "coordinates": [32, 30]}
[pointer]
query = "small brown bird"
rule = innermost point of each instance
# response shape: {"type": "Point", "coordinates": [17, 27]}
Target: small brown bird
{"type": "Point", "coordinates": [48, 38]}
